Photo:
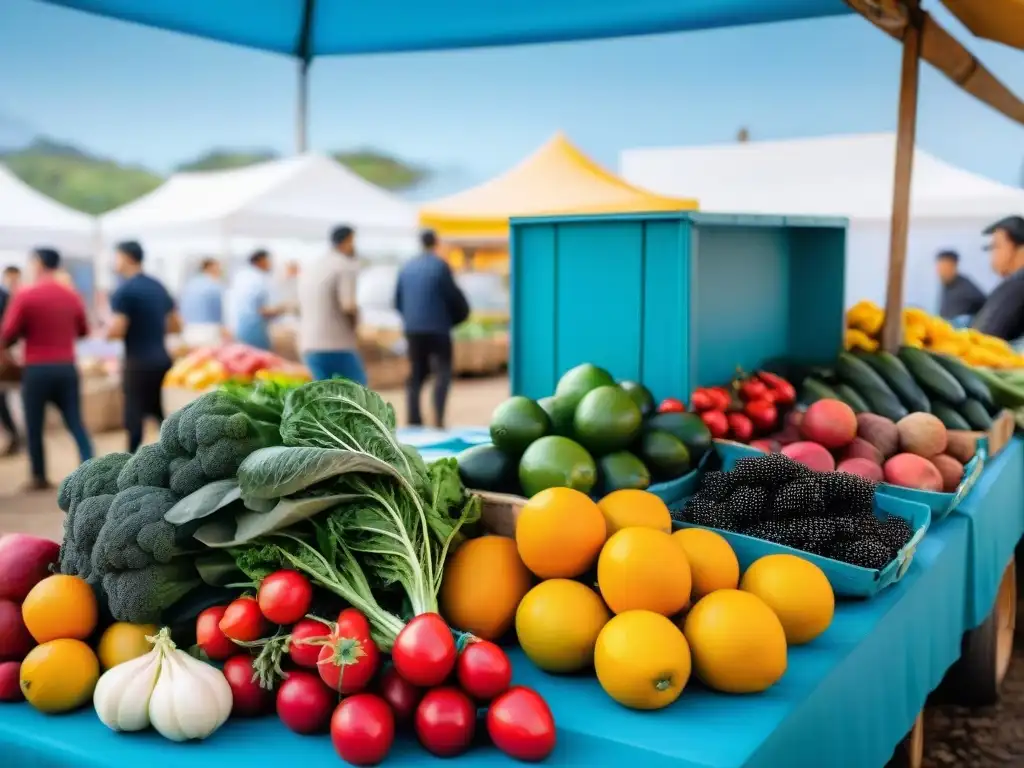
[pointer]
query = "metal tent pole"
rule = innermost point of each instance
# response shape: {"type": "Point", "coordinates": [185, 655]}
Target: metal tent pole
{"type": "Point", "coordinates": [302, 111]}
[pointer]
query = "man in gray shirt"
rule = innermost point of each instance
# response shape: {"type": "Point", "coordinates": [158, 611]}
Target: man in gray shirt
{"type": "Point", "coordinates": [328, 313]}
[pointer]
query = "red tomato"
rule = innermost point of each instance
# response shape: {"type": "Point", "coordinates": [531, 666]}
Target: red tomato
{"type": "Point", "coordinates": [753, 389]}
{"type": "Point", "coordinates": [400, 694]}
{"type": "Point", "coordinates": [348, 664]}
{"type": "Point", "coordinates": [352, 623]}
{"type": "Point", "coordinates": [248, 697]}
{"type": "Point", "coordinates": [483, 670]}
{"type": "Point", "coordinates": [446, 722]}
{"type": "Point", "coordinates": [762, 413]}
{"type": "Point", "coordinates": [301, 651]}
{"type": "Point", "coordinates": [363, 729]}
{"type": "Point", "coordinates": [521, 725]}
{"type": "Point", "coordinates": [785, 393]}
{"type": "Point", "coordinates": [424, 651]}
{"type": "Point", "coordinates": [214, 643]}
{"type": "Point", "coordinates": [741, 427]}
{"type": "Point", "coordinates": [671, 405]}
{"type": "Point", "coordinates": [304, 703]}
{"type": "Point", "coordinates": [701, 400]}
{"type": "Point", "coordinates": [716, 422]}
{"type": "Point", "coordinates": [722, 398]}
{"type": "Point", "coordinates": [284, 597]}
{"type": "Point", "coordinates": [243, 621]}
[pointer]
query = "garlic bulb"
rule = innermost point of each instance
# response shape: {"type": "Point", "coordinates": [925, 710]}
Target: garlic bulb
{"type": "Point", "coordinates": [181, 697]}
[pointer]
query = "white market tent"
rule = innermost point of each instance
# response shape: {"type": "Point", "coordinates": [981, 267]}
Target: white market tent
{"type": "Point", "coordinates": [842, 176]}
{"type": "Point", "coordinates": [29, 219]}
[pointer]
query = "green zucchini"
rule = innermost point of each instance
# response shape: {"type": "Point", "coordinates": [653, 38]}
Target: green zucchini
{"type": "Point", "coordinates": [1004, 392]}
{"type": "Point", "coordinates": [895, 374]}
{"type": "Point", "coordinates": [948, 416]}
{"type": "Point", "coordinates": [852, 398]}
{"type": "Point", "coordinates": [935, 380]}
{"type": "Point", "coordinates": [870, 386]}
{"type": "Point", "coordinates": [975, 414]}
{"type": "Point", "coordinates": [814, 389]}
{"type": "Point", "coordinates": [969, 380]}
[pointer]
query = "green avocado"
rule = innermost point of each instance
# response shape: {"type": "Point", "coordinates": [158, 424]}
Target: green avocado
{"type": "Point", "coordinates": [578, 381]}
{"type": "Point", "coordinates": [556, 462]}
{"type": "Point", "coordinates": [606, 420]}
{"type": "Point", "coordinates": [665, 454]}
{"type": "Point", "coordinates": [641, 396]}
{"type": "Point", "coordinates": [516, 423]}
{"type": "Point", "coordinates": [622, 470]}
{"type": "Point", "coordinates": [487, 468]}
{"type": "Point", "coordinates": [560, 410]}
{"type": "Point", "coordinates": [685, 427]}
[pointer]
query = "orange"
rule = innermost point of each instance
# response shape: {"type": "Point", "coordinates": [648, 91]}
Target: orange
{"type": "Point", "coordinates": [642, 660]}
{"type": "Point", "coordinates": [60, 607]}
{"type": "Point", "coordinates": [644, 569]}
{"type": "Point", "coordinates": [558, 623]}
{"type": "Point", "coordinates": [797, 590]}
{"type": "Point", "coordinates": [59, 676]}
{"type": "Point", "coordinates": [713, 564]}
{"type": "Point", "coordinates": [123, 642]}
{"type": "Point", "coordinates": [483, 583]}
{"type": "Point", "coordinates": [559, 533]}
{"type": "Point", "coordinates": [737, 641]}
{"type": "Point", "coordinates": [630, 508]}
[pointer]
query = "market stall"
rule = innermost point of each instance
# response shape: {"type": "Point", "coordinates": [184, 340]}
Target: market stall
{"type": "Point", "coordinates": [28, 218]}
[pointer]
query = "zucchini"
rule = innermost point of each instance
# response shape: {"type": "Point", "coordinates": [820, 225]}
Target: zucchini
{"type": "Point", "coordinates": [975, 414]}
{"type": "Point", "coordinates": [1004, 392]}
{"type": "Point", "coordinates": [935, 380]}
{"type": "Point", "coordinates": [895, 374]}
{"type": "Point", "coordinates": [852, 398]}
{"type": "Point", "coordinates": [870, 386]}
{"type": "Point", "coordinates": [948, 416]}
{"type": "Point", "coordinates": [969, 380]}
{"type": "Point", "coordinates": [814, 389]}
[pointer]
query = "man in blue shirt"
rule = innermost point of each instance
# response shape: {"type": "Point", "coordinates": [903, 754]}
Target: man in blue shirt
{"type": "Point", "coordinates": [250, 303]}
{"type": "Point", "coordinates": [1003, 312]}
{"type": "Point", "coordinates": [202, 306]}
{"type": "Point", "coordinates": [143, 314]}
{"type": "Point", "coordinates": [431, 304]}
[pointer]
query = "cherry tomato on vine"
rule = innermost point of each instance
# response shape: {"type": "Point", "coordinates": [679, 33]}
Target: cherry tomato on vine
{"type": "Point", "coordinates": [209, 637]}
{"type": "Point", "coordinates": [284, 597]}
{"type": "Point", "coordinates": [424, 652]}
{"type": "Point", "coordinates": [243, 621]}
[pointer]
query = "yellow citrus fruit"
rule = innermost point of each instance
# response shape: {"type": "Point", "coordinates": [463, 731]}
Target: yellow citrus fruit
{"type": "Point", "coordinates": [797, 590]}
{"type": "Point", "coordinates": [642, 660]}
{"type": "Point", "coordinates": [713, 564]}
{"type": "Point", "coordinates": [483, 583]}
{"type": "Point", "coordinates": [558, 623]}
{"type": "Point", "coordinates": [737, 642]}
{"type": "Point", "coordinates": [60, 607]}
{"type": "Point", "coordinates": [559, 533]}
{"type": "Point", "coordinates": [123, 642]}
{"type": "Point", "coordinates": [59, 676]}
{"type": "Point", "coordinates": [630, 508]}
{"type": "Point", "coordinates": [643, 569]}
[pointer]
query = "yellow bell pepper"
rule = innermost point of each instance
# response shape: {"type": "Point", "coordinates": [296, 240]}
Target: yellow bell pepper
{"type": "Point", "coordinates": [915, 335]}
{"type": "Point", "coordinates": [855, 339]}
{"type": "Point", "coordinates": [865, 316]}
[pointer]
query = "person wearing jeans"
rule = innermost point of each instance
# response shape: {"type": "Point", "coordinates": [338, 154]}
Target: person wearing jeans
{"type": "Point", "coordinates": [49, 317]}
{"type": "Point", "coordinates": [9, 281]}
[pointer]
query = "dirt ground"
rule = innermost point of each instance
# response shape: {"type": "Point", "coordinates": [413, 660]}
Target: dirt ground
{"type": "Point", "coordinates": [955, 737]}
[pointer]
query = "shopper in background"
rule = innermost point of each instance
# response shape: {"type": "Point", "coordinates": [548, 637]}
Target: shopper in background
{"type": "Point", "coordinates": [202, 307]}
{"type": "Point", "coordinates": [9, 281]}
{"type": "Point", "coordinates": [960, 296]}
{"type": "Point", "coordinates": [328, 314]}
{"type": "Point", "coordinates": [1003, 312]}
{"type": "Point", "coordinates": [431, 304]}
{"type": "Point", "coordinates": [49, 317]}
{"type": "Point", "coordinates": [143, 313]}
{"type": "Point", "coordinates": [251, 306]}
{"type": "Point", "coordinates": [288, 291]}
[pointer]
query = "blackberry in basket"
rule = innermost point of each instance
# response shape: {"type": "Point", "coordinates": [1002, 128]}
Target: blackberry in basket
{"type": "Point", "coordinates": [855, 527]}
{"type": "Point", "coordinates": [715, 485]}
{"type": "Point", "coordinates": [741, 508]}
{"type": "Point", "coordinates": [896, 532]}
{"type": "Point", "coordinates": [846, 494]}
{"type": "Point", "coordinates": [800, 497]}
{"type": "Point", "coordinates": [770, 471]}
{"type": "Point", "coordinates": [866, 553]}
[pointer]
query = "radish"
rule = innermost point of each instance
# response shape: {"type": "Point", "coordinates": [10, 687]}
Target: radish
{"type": "Point", "coordinates": [24, 562]}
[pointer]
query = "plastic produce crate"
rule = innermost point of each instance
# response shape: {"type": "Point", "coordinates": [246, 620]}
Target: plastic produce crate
{"type": "Point", "coordinates": [941, 504]}
{"type": "Point", "coordinates": [674, 300]}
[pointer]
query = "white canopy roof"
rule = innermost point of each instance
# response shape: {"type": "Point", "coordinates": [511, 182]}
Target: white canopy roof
{"type": "Point", "coordinates": [298, 197]}
{"type": "Point", "coordinates": [848, 175]}
{"type": "Point", "coordinates": [29, 219]}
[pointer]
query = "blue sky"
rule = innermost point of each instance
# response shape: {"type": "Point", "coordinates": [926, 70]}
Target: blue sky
{"type": "Point", "coordinates": [157, 98]}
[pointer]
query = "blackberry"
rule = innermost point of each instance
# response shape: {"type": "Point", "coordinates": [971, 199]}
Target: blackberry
{"type": "Point", "coordinates": [896, 532]}
{"type": "Point", "coordinates": [744, 506]}
{"type": "Point", "coordinates": [715, 485]}
{"type": "Point", "coordinates": [866, 553]}
{"type": "Point", "coordinates": [846, 494]}
{"type": "Point", "coordinates": [815, 534]}
{"type": "Point", "coordinates": [769, 530]}
{"type": "Point", "coordinates": [771, 470]}
{"type": "Point", "coordinates": [854, 527]}
{"type": "Point", "coordinates": [801, 497]}
{"type": "Point", "coordinates": [698, 510]}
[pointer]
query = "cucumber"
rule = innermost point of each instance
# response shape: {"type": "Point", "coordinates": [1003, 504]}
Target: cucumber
{"type": "Point", "coordinates": [935, 380]}
{"type": "Point", "coordinates": [814, 389]}
{"type": "Point", "coordinates": [895, 374]}
{"type": "Point", "coordinates": [871, 387]}
{"type": "Point", "coordinates": [852, 398]}
{"type": "Point", "coordinates": [949, 417]}
{"type": "Point", "coordinates": [1005, 392]}
{"type": "Point", "coordinates": [969, 380]}
{"type": "Point", "coordinates": [975, 414]}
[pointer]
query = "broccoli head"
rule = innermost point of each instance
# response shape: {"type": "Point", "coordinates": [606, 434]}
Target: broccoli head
{"type": "Point", "coordinates": [135, 533]}
{"type": "Point", "coordinates": [140, 595]}
{"type": "Point", "coordinates": [149, 466]}
{"type": "Point", "coordinates": [187, 475]}
{"type": "Point", "coordinates": [82, 526]}
{"type": "Point", "coordinates": [95, 477]}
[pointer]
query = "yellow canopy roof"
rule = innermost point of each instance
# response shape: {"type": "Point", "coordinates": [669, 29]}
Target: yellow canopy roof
{"type": "Point", "coordinates": [999, 20]}
{"type": "Point", "coordinates": [556, 179]}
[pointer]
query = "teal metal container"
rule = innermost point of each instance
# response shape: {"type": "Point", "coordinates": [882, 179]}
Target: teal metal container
{"type": "Point", "coordinates": [674, 300]}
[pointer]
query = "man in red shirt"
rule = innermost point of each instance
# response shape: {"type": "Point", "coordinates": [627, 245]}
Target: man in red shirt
{"type": "Point", "coordinates": [49, 317]}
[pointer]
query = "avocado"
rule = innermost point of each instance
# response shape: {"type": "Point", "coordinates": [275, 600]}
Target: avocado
{"type": "Point", "coordinates": [622, 470]}
{"type": "Point", "coordinates": [578, 381]}
{"type": "Point", "coordinates": [556, 462]}
{"type": "Point", "coordinates": [686, 427]}
{"type": "Point", "coordinates": [560, 410]}
{"type": "Point", "coordinates": [516, 423]}
{"type": "Point", "coordinates": [665, 454]}
{"type": "Point", "coordinates": [606, 420]}
{"type": "Point", "coordinates": [487, 468]}
{"type": "Point", "coordinates": [641, 396]}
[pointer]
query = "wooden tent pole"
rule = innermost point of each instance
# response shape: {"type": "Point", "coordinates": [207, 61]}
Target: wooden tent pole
{"type": "Point", "coordinates": [892, 332]}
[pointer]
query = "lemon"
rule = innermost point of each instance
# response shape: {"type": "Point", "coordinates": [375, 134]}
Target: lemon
{"type": "Point", "coordinates": [797, 591]}
{"type": "Point", "coordinates": [713, 564]}
{"type": "Point", "coordinates": [123, 642]}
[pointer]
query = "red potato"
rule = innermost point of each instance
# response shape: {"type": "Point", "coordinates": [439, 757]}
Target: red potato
{"type": "Point", "coordinates": [15, 641]}
{"type": "Point", "coordinates": [831, 423]}
{"type": "Point", "coordinates": [952, 471]}
{"type": "Point", "coordinates": [24, 562]}
{"type": "Point", "coordinates": [880, 432]}
{"type": "Point", "coordinates": [10, 681]}
{"type": "Point", "coordinates": [862, 449]}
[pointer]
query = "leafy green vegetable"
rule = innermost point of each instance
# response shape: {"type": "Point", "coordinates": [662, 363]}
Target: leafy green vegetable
{"type": "Point", "coordinates": [204, 502]}
{"type": "Point", "coordinates": [271, 473]}
{"type": "Point", "coordinates": [285, 513]}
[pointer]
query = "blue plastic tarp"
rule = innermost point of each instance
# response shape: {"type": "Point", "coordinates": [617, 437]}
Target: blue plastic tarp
{"type": "Point", "coordinates": [364, 26]}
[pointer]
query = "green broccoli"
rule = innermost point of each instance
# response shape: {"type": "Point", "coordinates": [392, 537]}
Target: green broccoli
{"type": "Point", "coordinates": [135, 533]}
{"type": "Point", "coordinates": [149, 466]}
{"type": "Point", "coordinates": [169, 435]}
{"type": "Point", "coordinates": [94, 477]}
{"type": "Point", "coordinates": [82, 526]}
{"type": "Point", "coordinates": [186, 475]}
{"type": "Point", "coordinates": [141, 595]}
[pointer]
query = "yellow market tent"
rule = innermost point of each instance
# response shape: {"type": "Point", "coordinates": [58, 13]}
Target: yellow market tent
{"type": "Point", "coordinates": [556, 179]}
